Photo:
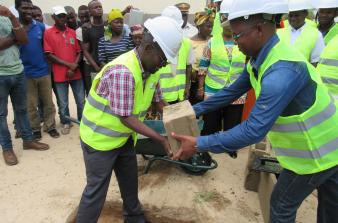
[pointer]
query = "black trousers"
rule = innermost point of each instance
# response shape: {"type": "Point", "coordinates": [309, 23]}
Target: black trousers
{"type": "Point", "coordinates": [222, 119]}
{"type": "Point", "coordinates": [99, 167]}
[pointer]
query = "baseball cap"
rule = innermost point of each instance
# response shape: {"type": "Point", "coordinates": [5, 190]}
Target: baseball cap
{"type": "Point", "coordinates": [57, 10]}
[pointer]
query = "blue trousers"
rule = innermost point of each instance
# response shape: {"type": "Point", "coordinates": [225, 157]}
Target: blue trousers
{"type": "Point", "coordinates": [291, 189]}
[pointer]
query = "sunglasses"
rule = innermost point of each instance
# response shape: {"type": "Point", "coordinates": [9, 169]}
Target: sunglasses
{"type": "Point", "coordinates": [250, 29]}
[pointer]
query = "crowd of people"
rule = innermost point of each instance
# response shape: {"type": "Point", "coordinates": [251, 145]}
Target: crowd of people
{"type": "Point", "coordinates": [117, 72]}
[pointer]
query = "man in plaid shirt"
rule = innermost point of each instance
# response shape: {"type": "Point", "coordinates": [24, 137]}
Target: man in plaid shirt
{"type": "Point", "coordinates": [120, 95]}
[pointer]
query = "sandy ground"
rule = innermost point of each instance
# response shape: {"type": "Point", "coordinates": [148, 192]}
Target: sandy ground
{"type": "Point", "coordinates": [46, 187]}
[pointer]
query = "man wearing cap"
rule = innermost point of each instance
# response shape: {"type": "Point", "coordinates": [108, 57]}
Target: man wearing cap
{"type": "Point", "coordinates": [293, 108]}
{"type": "Point", "coordinates": [327, 11]}
{"type": "Point", "coordinates": [118, 101]}
{"type": "Point", "coordinates": [306, 38]}
{"type": "Point", "coordinates": [63, 50]}
{"type": "Point", "coordinates": [188, 29]}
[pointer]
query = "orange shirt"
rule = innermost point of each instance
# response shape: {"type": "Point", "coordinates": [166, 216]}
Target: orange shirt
{"type": "Point", "coordinates": [64, 46]}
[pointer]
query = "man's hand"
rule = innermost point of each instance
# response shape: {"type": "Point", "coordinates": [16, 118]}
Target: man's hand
{"type": "Point", "coordinates": [73, 66]}
{"type": "Point", "coordinates": [166, 146]}
{"type": "Point", "coordinates": [5, 12]}
{"type": "Point", "coordinates": [70, 73]}
{"type": "Point", "coordinates": [187, 148]}
{"type": "Point", "coordinates": [127, 9]}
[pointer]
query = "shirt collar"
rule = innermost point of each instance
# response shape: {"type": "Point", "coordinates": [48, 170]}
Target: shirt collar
{"type": "Point", "coordinates": [299, 29]}
{"type": "Point", "coordinates": [139, 61]}
{"type": "Point", "coordinates": [56, 30]}
{"type": "Point", "coordinates": [263, 53]}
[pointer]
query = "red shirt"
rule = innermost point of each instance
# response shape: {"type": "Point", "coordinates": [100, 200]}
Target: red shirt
{"type": "Point", "coordinates": [64, 46]}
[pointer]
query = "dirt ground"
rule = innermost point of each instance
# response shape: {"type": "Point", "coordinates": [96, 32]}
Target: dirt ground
{"type": "Point", "coordinates": [46, 187]}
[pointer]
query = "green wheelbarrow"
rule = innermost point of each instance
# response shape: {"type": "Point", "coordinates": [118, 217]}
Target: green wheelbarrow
{"type": "Point", "coordinates": [152, 151]}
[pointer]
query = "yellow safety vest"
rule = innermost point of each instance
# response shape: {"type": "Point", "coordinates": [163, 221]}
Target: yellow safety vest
{"type": "Point", "coordinates": [173, 87]}
{"type": "Point", "coordinates": [305, 42]}
{"type": "Point", "coordinates": [328, 66]}
{"type": "Point", "coordinates": [217, 29]}
{"type": "Point", "coordinates": [100, 128]}
{"type": "Point", "coordinates": [331, 34]}
{"type": "Point", "coordinates": [306, 143]}
{"type": "Point", "coordinates": [221, 72]}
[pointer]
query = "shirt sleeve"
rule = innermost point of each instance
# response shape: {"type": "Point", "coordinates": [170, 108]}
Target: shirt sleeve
{"type": "Point", "coordinates": [47, 42]}
{"type": "Point", "coordinates": [85, 35]}
{"type": "Point", "coordinates": [317, 50]}
{"type": "Point", "coordinates": [117, 86]}
{"type": "Point", "coordinates": [130, 43]}
{"type": "Point", "coordinates": [280, 85]}
{"type": "Point", "coordinates": [79, 34]}
{"type": "Point", "coordinates": [191, 56]}
{"type": "Point", "coordinates": [77, 45]}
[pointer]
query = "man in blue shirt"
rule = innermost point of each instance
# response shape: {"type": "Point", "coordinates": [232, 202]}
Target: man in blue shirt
{"type": "Point", "coordinates": [37, 73]}
{"type": "Point", "coordinates": [287, 90]}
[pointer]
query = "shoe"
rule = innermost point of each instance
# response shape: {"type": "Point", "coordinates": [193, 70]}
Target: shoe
{"type": "Point", "coordinates": [34, 145]}
{"type": "Point", "coordinates": [66, 129]}
{"type": "Point", "coordinates": [37, 135]}
{"type": "Point", "coordinates": [10, 157]}
{"type": "Point", "coordinates": [53, 133]}
{"type": "Point", "coordinates": [17, 135]}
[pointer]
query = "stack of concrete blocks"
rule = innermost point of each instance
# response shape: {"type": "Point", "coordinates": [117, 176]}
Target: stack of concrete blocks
{"type": "Point", "coordinates": [260, 182]}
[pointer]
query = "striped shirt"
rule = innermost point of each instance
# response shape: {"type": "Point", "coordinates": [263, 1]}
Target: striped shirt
{"type": "Point", "coordinates": [107, 51]}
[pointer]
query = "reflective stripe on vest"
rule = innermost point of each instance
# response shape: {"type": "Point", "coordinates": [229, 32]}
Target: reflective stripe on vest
{"type": "Point", "coordinates": [308, 142]}
{"type": "Point", "coordinates": [173, 86]}
{"type": "Point", "coordinates": [102, 130]}
{"type": "Point", "coordinates": [309, 123]}
{"type": "Point", "coordinates": [217, 79]}
{"type": "Point", "coordinates": [329, 62]}
{"type": "Point", "coordinates": [219, 68]}
{"type": "Point", "coordinates": [308, 154]}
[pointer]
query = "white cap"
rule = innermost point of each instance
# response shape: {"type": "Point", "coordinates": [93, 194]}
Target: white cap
{"type": "Point", "coordinates": [174, 13]}
{"type": "Point", "coordinates": [168, 34]}
{"type": "Point", "coordinates": [325, 4]}
{"type": "Point", "coordinates": [298, 5]}
{"type": "Point", "coordinates": [57, 10]}
{"type": "Point", "coordinates": [245, 8]}
{"type": "Point", "coordinates": [225, 6]}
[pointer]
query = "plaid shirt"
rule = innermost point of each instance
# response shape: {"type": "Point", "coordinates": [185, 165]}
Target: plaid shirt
{"type": "Point", "coordinates": [117, 85]}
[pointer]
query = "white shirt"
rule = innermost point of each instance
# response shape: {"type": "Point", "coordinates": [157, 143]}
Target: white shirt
{"type": "Point", "coordinates": [318, 48]}
{"type": "Point", "coordinates": [189, 31]}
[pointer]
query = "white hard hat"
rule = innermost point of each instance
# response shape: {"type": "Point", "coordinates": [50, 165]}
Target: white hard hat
{"type": "Point", "coordinates": [174, 13]}
{"type": "Point", "coordinates": [168, 34]}
{"type": "Point", "coordinates": [225, 6]}
{"type": "Point", "coordinates": [297, 5]}
{"type": "Point", "coordinates": [325, 4]}
{"type": "Point", "coordinates": [217, 0]}
{"type": "Point", "coordinates": [245, 8]}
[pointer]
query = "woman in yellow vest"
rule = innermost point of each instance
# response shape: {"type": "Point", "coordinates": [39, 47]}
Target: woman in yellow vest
{"type": "Point", "coordinates": [327, 12]}
{"type": "Point", "coordinates": [117, 103]}
{"type": "Point", "coordinates": [220, 66]}
{"type": "Point", "coordinates": [293, 107]}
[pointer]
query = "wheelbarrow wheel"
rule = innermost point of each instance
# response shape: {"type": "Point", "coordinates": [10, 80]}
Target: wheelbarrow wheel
{"type": "Point", "coordinates": [199, 159]}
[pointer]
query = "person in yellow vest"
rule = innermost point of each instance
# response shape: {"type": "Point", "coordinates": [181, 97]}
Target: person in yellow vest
{"type": "Point", "coordinates": [328, 67]}
{"type": "Point", "coordinates": [175, 77]}
{"type": "Point", "coordinates": [221, 65]}
{"type": "Point", "coordinates": [293, 107]}
{"type": "Point", "coordinates": [304, 37]}
{"type": "Point", "coordinates": [217, 28]}
{"type": "Point", "coordinates": [189, 30]}
{"type": "Point", "coordinates": [117, 103]}
{"type": "Point", "coordinates": [327, 11]}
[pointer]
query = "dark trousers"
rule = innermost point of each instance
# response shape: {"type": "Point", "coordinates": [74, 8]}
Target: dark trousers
{"type": "Point", "coordinates": [99, 167]}
{"type": "Point", "coordinates": [87, 79]}
{"type": "Point", "coordinates": [222, 119]}
{"type": "Point", "coordinates": [291, 189]}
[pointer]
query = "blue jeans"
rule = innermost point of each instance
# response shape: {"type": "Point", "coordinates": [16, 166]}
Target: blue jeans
{"type": "Point", "coordinates": [291, 189]}
{"type": "Point", "coordinates": [62, 95]}
{"type": "Point", "coordinates": [15, 87]}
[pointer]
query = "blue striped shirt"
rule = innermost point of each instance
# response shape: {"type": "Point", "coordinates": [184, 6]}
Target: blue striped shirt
{"type": "Point", "coordinates": [107, 51]}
